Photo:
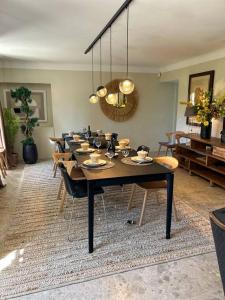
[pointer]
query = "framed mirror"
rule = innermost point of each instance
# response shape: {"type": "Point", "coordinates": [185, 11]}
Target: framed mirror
{"type": "Point", "coordinates": [198, 84]}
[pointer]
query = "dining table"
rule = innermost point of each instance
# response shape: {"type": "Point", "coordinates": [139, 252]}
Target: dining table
{"type": "Point", "coordinates": [121, 174]}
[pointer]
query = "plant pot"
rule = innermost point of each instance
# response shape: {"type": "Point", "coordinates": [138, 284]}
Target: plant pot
{"type": "Point", "coordinates": [13, 159]}
{"type": "Point", "coordinates": [30, 155]}
{"type": "Point", "coordinates": [206, 131]}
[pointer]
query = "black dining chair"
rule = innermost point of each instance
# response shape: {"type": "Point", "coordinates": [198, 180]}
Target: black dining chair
{"type": "Point", "coordinates": [78, 189]}
{"type": "Point", "coordinates": [60, 148]}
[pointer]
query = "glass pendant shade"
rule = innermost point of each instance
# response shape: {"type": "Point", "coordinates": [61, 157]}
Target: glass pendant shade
{"type": "Point", "coordinates": [93, 98]}
{"type": "Point", "coordinates": [111, 98]}
{"type": "Point", "coordinates": [101, 91]}
{"type": "Point", "coordinates": [126, 86]}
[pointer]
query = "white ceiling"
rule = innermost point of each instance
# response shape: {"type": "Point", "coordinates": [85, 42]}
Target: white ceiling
{"type": "Point", "coordinates": [162, 32]}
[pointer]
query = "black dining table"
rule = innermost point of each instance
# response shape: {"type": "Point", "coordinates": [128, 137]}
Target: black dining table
{"type": "Point", "coordinates": [121, 174]}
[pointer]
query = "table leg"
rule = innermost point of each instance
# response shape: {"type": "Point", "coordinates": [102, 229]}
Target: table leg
{"type": "Point", "coordinates": [170, 178]}
{"type": "Point", "coordinates": [90, 217]}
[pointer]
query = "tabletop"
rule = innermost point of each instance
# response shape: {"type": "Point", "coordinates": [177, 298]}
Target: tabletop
{"type": "Point", "coordinates": [120, 169]}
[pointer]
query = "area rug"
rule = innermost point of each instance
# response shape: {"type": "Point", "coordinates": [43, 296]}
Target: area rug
{"type": "Point", "coordinates": [36, 254]}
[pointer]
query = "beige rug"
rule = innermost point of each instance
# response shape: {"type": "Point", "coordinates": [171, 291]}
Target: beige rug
{"type": "Point", "coordinates": [37, 255]}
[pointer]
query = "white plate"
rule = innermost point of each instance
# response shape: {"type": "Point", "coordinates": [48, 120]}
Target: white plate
{"type": "Point", "coordinates": [89, 150]}
{"type": "Point", "coordinates": [89, 163]}
{"type": "Point", "coordinates": [122, 148]}
{"type": "Point", "coordinates": [80, 141]}
{"type": "Point", "coordinates": [147, 159]}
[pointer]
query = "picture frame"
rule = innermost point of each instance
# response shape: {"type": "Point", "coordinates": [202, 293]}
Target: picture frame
{"type": "Point", "coordinates": [39, 104]}
{"type": "Point", "coordinates": [198, 84]}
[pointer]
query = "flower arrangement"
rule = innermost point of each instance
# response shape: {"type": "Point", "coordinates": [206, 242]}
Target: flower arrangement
{"type": "Point", "coordinates": [206, 110]}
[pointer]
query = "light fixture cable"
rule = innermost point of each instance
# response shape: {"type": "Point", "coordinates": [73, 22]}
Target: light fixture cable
{"type": "Point", "coordinates": [100, 60]}
{"type": "Point", "coordinates": [127, 38]}
{"type": "Point", "coordinates": [92, 72]}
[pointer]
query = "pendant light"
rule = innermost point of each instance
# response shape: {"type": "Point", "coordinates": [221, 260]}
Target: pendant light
{"type": "Point", "coordinates": [93, 98]}
{"type": "Point", "coordinates": [127, 86]}
{"type": "Point", "coordinates": [101, 90]}
{"type": "Point", "coordinates": [111, 98]}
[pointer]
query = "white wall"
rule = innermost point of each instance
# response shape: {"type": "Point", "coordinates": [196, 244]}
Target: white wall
{"type": "Point", "coordinates": [71, 110]}
{"type": "Point", "coordinates": [182, 77]}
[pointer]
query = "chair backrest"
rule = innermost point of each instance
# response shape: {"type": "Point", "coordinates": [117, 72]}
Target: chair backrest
{"type": "Point", "coordinates": [69, 184]}
{"type": "Point", "coordinates": [59, 147]}
{"type": "Point", "coordinates": [174, 136]}
{"type": "Point", "coordinates": [144, 148]}
{"type": "Point", "coordinates": [167, 161]}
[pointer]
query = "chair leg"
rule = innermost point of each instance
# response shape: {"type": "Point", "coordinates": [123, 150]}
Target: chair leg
{"type": "Point", "coordinates": [159, 150]}
{"type": "Point", "coordinates": [143, 207]}
{"type": "Point", "coordinates": [70, 222]}
{"type": "Point", "coordinates": [62, 200]}
{"type": "Point", "coordinates": [131, 196]}
{"type": "Point", "coordinates": [175, 212]}
{"type": "Point", "coordinates": [55, 170]}
{"type": "Point", "coordinates": [60, 189]}
{"type": "Point", "coordinates": [103, 202]}
{"type": "Point", "coordinates": [157, 198]}
{"type": "Point", "coordinates": [166, 151]}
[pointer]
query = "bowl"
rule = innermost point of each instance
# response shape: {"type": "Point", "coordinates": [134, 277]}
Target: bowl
{"type": "Point", "coordinates": [122, 144]}
{"type": "Point", "coordinates": [94, 157]}
{"type": "Point", "coordinates": [142, 154]}
{"type": "Point", "coordinates": [108, 136]}
{"type": "Point", "coordinates": [84, 146]}
{"type": "Point", "coordinates": [76, 137]}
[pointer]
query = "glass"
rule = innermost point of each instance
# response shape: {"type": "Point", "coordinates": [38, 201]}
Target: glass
{"type": "Point", "coordinates": [125, 152]}
{"type": "Point", "coordinates": [98, 143]}
{"type": "Point", "coordinates": [110, 155]}
{"type": "Point", "coordinates": [86, 136]}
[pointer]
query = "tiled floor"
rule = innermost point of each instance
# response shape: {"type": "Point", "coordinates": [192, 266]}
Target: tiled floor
{"type": "Point", "coordinates": [190, 278]}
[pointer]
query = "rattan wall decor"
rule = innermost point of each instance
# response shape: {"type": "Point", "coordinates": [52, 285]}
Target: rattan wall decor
{"type": "Point", "coordinates": [119, 114]}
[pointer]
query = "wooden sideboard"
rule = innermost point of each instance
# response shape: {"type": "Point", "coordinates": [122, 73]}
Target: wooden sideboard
{"type": "Point", "coordinates": [196, 157]}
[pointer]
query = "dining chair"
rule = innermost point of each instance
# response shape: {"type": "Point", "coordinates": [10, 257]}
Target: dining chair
{"type": "Point", "coordinates": [57, 157]}
{"type": "Point", "coordinates": [139, 148]}
{"type": "Point", "coordinates": [167, 161]}
{"type": "Point", "coordinates": [74, 172]}
{"type": "Point", "coordinates": [77, 189]}
{"type": "Point", "coordinates": [173, 139]}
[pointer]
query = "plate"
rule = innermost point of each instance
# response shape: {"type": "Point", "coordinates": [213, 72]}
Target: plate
{"type": "Point", "coordinates": [147, 159]}
{"type": "Point", "coordinates": [124, 148]}
{"type": "Point", "coordinates": [89, 163]}
{"type": "Point", "coordinates": [77, 142]}
{"type": "Point", "coordinates": [115, 155]}
{"type": "Point", "coordinates": [89, 150]}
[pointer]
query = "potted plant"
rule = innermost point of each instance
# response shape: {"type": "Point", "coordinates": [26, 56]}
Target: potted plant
{"type": "Point", "coordinates": [23, 96]}
{"type": "Point", "coordinates": [11, 125]}
{"type": "Point", "coordinates": [206, 110]}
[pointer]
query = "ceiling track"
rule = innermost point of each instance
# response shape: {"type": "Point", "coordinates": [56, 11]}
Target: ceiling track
{"type": "Point", "coordinates": [109, 24]}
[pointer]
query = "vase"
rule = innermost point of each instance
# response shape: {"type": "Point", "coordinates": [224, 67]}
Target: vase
{"type": "Point", "coordinates": [206, 131]}
{"type": "Point", "coordinates": [30, 154]}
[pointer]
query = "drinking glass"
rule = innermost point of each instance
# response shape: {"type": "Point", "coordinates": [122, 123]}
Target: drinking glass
{"type": "Point", "coordinates": [98, 143]}
{"type": "Point", "coordinates": [125, 152]}
{"type": "Point", "coordinates": [110, 155]}
{"type": "Point", "coordinates": [86, 136]}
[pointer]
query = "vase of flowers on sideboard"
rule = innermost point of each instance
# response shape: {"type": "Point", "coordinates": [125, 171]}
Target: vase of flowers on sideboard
{"type": "Point", "coordinates": [206, 129]}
